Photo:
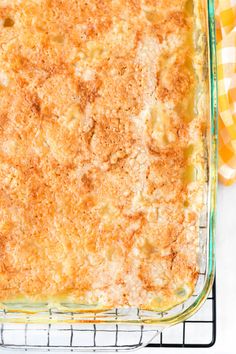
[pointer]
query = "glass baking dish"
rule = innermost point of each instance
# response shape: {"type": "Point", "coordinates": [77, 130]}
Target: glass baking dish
{"type": "Point", "coordinates": [44, 326]}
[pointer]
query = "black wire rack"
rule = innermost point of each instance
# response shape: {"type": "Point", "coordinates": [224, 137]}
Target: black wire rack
{"type": "Point", "coordinates": [197, 332]}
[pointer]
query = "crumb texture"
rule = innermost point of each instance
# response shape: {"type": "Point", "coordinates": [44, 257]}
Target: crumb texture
{"type": "Point", "coordinates": [101, 152]}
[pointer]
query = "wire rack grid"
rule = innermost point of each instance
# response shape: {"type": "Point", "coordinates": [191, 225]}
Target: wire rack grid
{"type": "Point", "coordinates": [198, 331]}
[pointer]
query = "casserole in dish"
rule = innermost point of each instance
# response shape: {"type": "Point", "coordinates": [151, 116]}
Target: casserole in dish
{"type": "Point", "coordinates": [107, 159]}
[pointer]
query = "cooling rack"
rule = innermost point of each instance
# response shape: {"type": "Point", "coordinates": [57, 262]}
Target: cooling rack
{"type": "Point", "coordinates": [198, 331]}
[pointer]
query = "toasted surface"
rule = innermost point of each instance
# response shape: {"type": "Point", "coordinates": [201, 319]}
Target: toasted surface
{"type": "Point", "coordinates": [100, 152]}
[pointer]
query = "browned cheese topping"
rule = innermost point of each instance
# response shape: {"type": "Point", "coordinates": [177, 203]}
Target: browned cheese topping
{"type": "Point", "coordinates": [100, 152]}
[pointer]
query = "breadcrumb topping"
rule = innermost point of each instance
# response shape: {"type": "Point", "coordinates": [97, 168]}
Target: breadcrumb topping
{"type": "Point", "coordinates": [101, 152]}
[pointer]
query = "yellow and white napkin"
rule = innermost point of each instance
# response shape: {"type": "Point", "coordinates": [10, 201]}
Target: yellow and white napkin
{"type": "Point", "coordinates": [226, 57]}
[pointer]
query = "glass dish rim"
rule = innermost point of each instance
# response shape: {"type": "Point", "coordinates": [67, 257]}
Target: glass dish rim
{"type": "Point", "coordinates": [180, 317]}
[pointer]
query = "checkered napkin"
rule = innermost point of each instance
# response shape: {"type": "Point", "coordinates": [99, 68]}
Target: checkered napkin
{"type": "Point", "coordinates": [226, 57]}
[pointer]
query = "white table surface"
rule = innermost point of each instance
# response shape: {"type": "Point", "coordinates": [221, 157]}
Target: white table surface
{"type": "Point", "coordinates": [226, 281]}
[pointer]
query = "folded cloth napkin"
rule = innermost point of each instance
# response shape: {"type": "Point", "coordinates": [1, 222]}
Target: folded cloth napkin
{"type": "Point", "coordinates": [226, 57]}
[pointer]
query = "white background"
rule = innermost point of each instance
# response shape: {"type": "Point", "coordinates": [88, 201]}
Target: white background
{"type": "Point", "coordinates": [226, 281]}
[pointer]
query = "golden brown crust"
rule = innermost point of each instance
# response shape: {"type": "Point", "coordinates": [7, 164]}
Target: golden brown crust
{"type": "Point", "coordinates": [97, 156]}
